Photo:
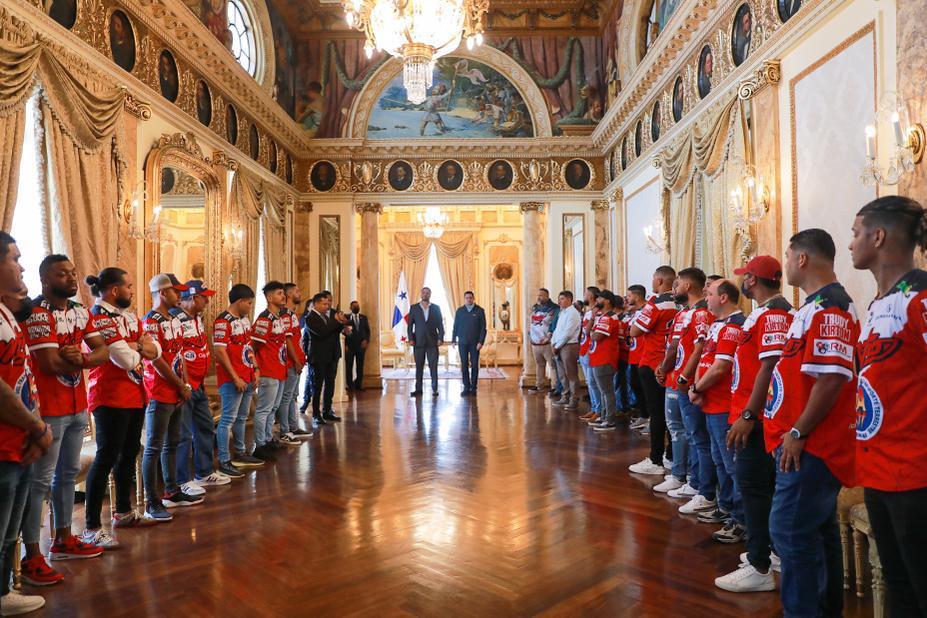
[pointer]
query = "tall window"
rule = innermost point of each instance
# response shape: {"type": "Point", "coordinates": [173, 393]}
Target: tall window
{"type": "Point", "coordinates": [27, 216]}
{"type": "Point", "coordinates": [244, 47]}
{"type": "Point", "coordinates": [435, 282]}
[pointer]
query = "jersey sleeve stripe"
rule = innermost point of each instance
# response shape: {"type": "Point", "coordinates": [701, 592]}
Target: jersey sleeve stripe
{"type": "Point", "coordinates": [814, 370]}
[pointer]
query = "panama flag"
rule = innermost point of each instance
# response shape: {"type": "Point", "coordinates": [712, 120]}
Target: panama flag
{"type": "Point", "coordinates": [401, 310]}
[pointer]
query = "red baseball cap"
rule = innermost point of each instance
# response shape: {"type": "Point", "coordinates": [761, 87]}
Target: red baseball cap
{"type": "Point", "coordinates": [762, 266]}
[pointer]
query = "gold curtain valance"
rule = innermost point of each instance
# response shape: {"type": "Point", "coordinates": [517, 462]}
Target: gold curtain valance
{"type": "Point", "coordinates": [701, 149]}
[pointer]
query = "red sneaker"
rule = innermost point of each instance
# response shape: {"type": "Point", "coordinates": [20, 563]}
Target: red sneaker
{"type": "Point", "coordinates": [72, 548]}
{"type": "Point", "coordinates": [36, 572]}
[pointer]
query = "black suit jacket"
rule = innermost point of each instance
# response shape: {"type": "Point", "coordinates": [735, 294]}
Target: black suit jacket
{"type": "Point", "coordinates": [422, 333]}
{"type": "Point", "coordinates": [469, 326]}
{"type": "Point", "coordinates": [324, 338]}
{"type": "Point", "coordinates": [360, 333]}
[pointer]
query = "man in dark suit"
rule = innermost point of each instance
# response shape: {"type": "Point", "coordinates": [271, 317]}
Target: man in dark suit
{"type": "Point", "coordinates": [469, 335]}
{"type": "Point", "coordinates": [324, 351]}
{"type": "Point", "coordinates": [355, 346]}
{"type": "Point", "coordinates": [426, 333]}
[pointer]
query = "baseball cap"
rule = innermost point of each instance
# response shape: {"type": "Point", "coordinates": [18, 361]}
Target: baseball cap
{"type": "Point", "coordinates": [196, 286]}
{"type": "Point", "coordinates": [162, 281]}
{"type": "Point", "coordinates": [762, 266]}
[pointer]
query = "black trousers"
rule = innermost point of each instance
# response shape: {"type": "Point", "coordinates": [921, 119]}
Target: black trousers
{"type": "Point", "coordinates": [323, 391]}
{"type": "Point", "coordinates": [469, 365]}
{"type": "Point", "coordinates": [655, 401]}
{"type": "Point", "coordinates": [897, 519]}
{"type": "Point", "coordinates": [621, 387]}
{"type": "Point", "coordinates": [422, 353]}
{"type": "Point", "coordinates": [119, 432]}
{"type": "Point", "coordinates": [755, 473]}
{"type": "Point", "coordinates": [639, 391]}
{"type": "Point", "coordinates": [354, 367]}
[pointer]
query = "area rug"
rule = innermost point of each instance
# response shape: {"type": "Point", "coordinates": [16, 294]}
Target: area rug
{"type": "Point", "coordinates": [408, 373]}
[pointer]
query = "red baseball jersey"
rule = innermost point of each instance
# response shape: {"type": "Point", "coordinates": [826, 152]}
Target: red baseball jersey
{"type": "Point", "coordinates": [110, 385]}
{"type": "Point", "coordinates": [271, 331]}
{"type": "Point", "coordinates": [49, 327]}
{"type": "Point", "coordinates": [690, 327]}
{"type": "Point", "coordinates": [820, 341]}
{"type": "Point", "coordinates": [195, 346]}
{"type": "Point", "coordinates": [168, 332]}
{"type": "Point", "coordinates": [14, 370]}
{"type": "Point", "coordinates": [234, 334]}
{"type": "Point", "coordinates": [624, 330]}
{"type": "Point", "coordinates": [763, 337]}
{"type": "Point", "coordinates": [720, 344]}
{"type": "Point", "coordinates": [891, 454]}
{"type": "Point", "coordinates": [605, 351]}
{"type": "Point", "coordinates": [295, 333]}
{"type": "Point", "coordinates": [656, 319]}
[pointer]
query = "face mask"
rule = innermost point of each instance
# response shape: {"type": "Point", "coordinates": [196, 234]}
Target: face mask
{"type": "Point", "coordinates": [355, 310]}
{"type": "Point", "coordinates": [745, 291]}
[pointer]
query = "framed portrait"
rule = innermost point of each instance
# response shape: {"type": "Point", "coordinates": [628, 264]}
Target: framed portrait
{"type": "Point", "coordinates": [577, 174]}
{"type": "Point", "coordinates": [638, 138]}
{"type": "Point", "coordinates": [254, 142]}
{"type": "Point", "coordinates": [450, 175]}
{"type": "Point", "coordinates": [288, 170]}
{"type": "Point", "coordinates": [787, 8]}
{"type": "Point", "coordinates": [168, 180]}
{"type": "Point", "coordinates": [64, 12]}
{"type": "Point", "coordinates": [167, 76]}
{"type": "Point", "coordinates": [706, 67]}
{"type": "Point", "coordinates": [741, 34]}
{"type": "Point", "coordinates": [203, 103]}
{"type": "Point", "coordinates": [679, 99]}
{"type": "Point", "coordinates": [273, 156]}
{"type": "Point", "coordinates": [322, 176]}
{"type": "Point", "coordinates": [400, 175]}
{"type": "Point", "coordinates": [231, 124]}
{"type": "Point", "coordinates": [122, 40]}
{"type": "Point", "coordinates": [655, 122]}
{"type": "Point", "coordinates": [624, 153]}
{"type": "Point", "coordinates": [500, 175]}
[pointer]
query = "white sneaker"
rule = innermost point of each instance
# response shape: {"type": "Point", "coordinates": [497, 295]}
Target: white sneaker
{"type": "Point", "coordinates": [192, 488]}
{"type": "Point", "coordinates": [645, 466]}
{"type": "Point", "coordinates": [667, 463]}
{"type": "Point", "coordinates": [640, 423]}
{"type": "Point", "coordinates": [697, 504]}
{"type": "Point", "coordinates": [15, 603]}
{"type": "Point", "coordinates": [668, 485]}
{"type": "Point", "coordinates": [774, 560]}
{"type": "Point", "coordinates": [99, 538]}
{"type": "Point", "coordinates": [686, 491]}
{"type": "Point", "coordinates": [215, 478]}
{"type": "Point", "coordinates": [746, 579]}
{"type": "Point", "coordinates": [667, 477]}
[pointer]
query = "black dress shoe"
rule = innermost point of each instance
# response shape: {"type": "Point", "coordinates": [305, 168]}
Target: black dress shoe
{"type": "Point", "coordinates": [465, 392]}
{"type": "Point", "coordinates": [434, 393]}
{"type": "Point", "coordinates": [332, 417]}
{"type": "Point", "coordinates": [318, 420]}
{"type": "Point", "coordinates": [415, 394]}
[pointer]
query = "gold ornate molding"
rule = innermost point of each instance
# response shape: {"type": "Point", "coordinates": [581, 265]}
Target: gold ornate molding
{"type": "Point", "coordinates": [617, 195]}
{"type": "Point", "coordinates": [137, 108]}
{"type": "Point", "coordinates": [524, 207]}
{"type": "Point", "coordinates": [223, 160]}
{"type": "Point", "coordinates": [369, 208]}
{"type": "Point", "coordinates": [599, 205]}
{"type": "Point", "coordinates": [767, 74]}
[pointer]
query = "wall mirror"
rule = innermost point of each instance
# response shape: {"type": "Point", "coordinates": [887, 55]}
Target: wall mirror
{"type": "Point", "coordinates": [183, 224]}
{"type": "Point", "coordinates": [574, 253]}
{"type": "Point", "coordinates": [330, 256]}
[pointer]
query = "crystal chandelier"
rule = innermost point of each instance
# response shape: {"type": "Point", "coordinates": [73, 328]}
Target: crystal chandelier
{"type": "Point", "coordinates": [432, 221]}
{"type": "Point", "coordinates": [418, 31]}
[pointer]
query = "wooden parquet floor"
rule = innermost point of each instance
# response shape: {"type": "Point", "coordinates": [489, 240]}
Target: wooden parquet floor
{"type": "Point", "coordinates": [497, 506]}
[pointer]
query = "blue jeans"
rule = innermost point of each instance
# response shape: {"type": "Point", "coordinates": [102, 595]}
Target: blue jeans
{"type": "Point", "coordinates": [705, 477]}
{"type": "Point", "coordinates": [14, 489]}
{"type": "Point", "coordinates": [803, 526]}
{"type": "Point", "coordinates": [162, 428]}
{"type": "Point", "coordinates": [270, 391]}
{"type": "Point", "coordinates": [286, 410]}
{"type": "Point", "coordinates": [235, 409]}
{"type": "Point", "coordinates": [590, 384]}
{"type": "Point", "coordinates": [683, 463]}
{"type": "Point", "coordinates": [728, 492]}
{"type": "Point", "coordinates": [196, 430]}
{"type": "Point", "coordinates": [56, 470]}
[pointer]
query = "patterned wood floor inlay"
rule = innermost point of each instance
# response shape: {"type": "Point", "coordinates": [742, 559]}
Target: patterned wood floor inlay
{"type": "Point", "coordinates": [500, 505]}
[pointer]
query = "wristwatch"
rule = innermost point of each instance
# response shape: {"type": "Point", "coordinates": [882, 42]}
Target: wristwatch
{"type": "Point", "coordinates": [693, 390]}
{"type": "Point", "coordinates": [748, 415]}
{"type": "Point", "coordinates": [682, 380]}
{"type": "Point", "coordinates": [797, 434]}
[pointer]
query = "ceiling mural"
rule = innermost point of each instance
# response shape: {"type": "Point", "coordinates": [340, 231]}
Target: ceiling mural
{"type": "Point", "coordinates": [611, 50]}
{"type": "Point", "coordinates": [469, 99]}
{"type": "Point", "coordinates": [285, 63]}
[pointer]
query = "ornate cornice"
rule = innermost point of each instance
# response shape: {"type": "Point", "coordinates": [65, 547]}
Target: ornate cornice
{"type": "Point", "coordinates": [139, 109]}
{"type": "Point", "coordinates": [223, 160]}
{"type": "Point", "coordinates": [617, 195]}
{"type": "Point", "coordinates": [369, 207]}
{"type": "Point", "coordinates": [599, 205]}
{"type": "Point", "coordinates": [524, 207]}
{"type": "Point", "coordinates": [767, 74]}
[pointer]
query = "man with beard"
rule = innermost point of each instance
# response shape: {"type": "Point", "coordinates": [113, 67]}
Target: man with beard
{"type": "Point", "coordinates": [269, 338]}
{"type": "Point", "coordinates": [290, 433]}
{"type": "Point", "coordinates": [117, 402]}
{"type": "Point", "coordinates": [24, 436]}
{"type": "Point", "coordinates": [55, 332]}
